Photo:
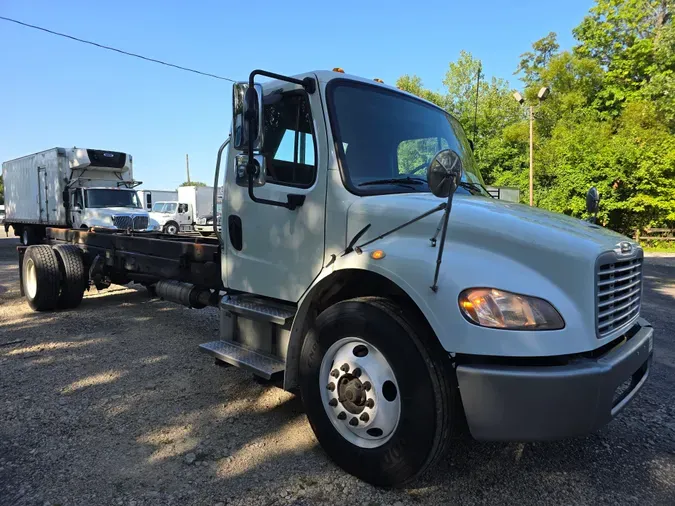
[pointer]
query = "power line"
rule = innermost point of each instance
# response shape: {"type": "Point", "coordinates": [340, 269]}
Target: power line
{"type": "Point", "coordinates": [116, 50]}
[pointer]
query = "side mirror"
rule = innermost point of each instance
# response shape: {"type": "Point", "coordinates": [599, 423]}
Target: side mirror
{"type": "Point", "coordinates": [260, 175]}
{"type": "Point", "coordinates": [592, 200]}
{"type": "Point", "coordinates": [444, 173]}
{"type": "Point", "coordinates": [247, 107]}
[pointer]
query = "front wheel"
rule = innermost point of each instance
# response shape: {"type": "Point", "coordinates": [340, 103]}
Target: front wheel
{"type": "Point", "coordinates": [377, 393]}
{"type": "Point", "coordinates": [171, 228]}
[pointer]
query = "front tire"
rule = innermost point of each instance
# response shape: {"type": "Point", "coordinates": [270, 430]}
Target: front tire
{"type": "Point", "coordinates": [171, 228]}
{"type": "Point", "coordinates": [41, 278]}
{"type": "Point", "coordinates": [377, 392]}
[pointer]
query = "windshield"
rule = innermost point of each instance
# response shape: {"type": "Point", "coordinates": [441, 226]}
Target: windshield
{"type": "Point", "coordinates": [383, 136]}
{"type": "Point", "coordinates": [112, 198]}
{"type": "Point", "coordinates": [164, 207]}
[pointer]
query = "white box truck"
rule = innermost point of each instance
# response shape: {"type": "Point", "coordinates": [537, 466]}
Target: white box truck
{"type": "Point", "coordinates": [73, 188]}
{"type": "Point", "coordinates": [402, 300]}
{"type": "Point", "coordinates": [193, 204]}
{"type": "Point", "coordinates": [149, 197]}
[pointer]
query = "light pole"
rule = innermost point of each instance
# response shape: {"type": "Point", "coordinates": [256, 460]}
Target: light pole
{"type": "Point", "coordinates": [543, 93]}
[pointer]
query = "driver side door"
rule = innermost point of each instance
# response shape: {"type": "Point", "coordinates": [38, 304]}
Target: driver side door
{"type": "Point", "coordinates": [273, 251]}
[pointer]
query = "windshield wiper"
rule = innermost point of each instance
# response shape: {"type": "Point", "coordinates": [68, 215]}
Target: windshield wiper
{"type": "Point", "coordinates": [474, 186]}
{"type": "Point", "coordinates": [397, 180]}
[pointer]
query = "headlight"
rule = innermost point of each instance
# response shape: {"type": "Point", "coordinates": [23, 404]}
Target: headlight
{"type": "Point", "coordinates": [489, 307]}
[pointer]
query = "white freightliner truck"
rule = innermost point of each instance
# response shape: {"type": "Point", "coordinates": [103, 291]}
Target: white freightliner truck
{"type": "Point", "coordinates": [71, 187]}
{"type": "Point", "coordinates": [192, 204]}
{"type": "Point", "coordinates": [402, 300]}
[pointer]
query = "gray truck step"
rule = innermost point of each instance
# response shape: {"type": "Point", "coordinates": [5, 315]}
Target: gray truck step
{"type": "Point", "coordinates": [258, 309]}
{"type": "Point", "coordinates": [260, 364]}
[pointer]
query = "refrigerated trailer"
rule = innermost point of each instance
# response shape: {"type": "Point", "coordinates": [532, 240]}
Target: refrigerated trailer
{"type": "Point", "coordinates": [71, 188]}
{"type": "Point", "coordinates": [362, 260]}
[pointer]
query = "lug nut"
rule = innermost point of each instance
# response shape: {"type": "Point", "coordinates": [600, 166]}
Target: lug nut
{"type": "Point", "coordinates": [335, 373]}
{"type": "Point", "coordinates": [345, 367]}
{"type": "Point", "coordinates": [354, 422]}
{"type": "Point", "coordinates": [370, 403]}
{"type": "Point", "coordinates": [367, 386]}
{"type": "Point", "coordinates": [331, 386]}
{"type": "Point", "coordinates": [332, 403]}
{"type": "Point", "coordinates": [364, 417]}
{"type": "Point", "coordinates": [356, 372]}
{"type": "Point", "coordinates": [342, 415]}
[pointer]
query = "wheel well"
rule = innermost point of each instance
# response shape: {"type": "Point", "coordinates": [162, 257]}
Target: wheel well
{"type": "Point", "coordinates": [339, 286]}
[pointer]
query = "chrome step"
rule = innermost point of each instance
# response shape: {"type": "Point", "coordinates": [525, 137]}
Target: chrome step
{"type": "Point", "coordinates": [258, 309]}
{"type": "Point", "coordinates": [233, 353]}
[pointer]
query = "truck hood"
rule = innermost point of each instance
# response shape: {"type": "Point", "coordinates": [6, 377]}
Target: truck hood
{"type": "Point", "coordinates": [482, 221]}
{"type": "Point", "coordinates": [110, 211]}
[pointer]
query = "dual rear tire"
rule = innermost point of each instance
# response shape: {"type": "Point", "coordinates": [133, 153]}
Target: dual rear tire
{"type": "Point", "coordinates": [53, 278]}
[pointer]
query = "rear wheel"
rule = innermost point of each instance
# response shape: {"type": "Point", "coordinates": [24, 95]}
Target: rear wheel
{"type": "Point", "coordinates": [171, 228]}
{"type": "Point", "coordinates": [377, 394]}
{"type": "Point", "coordinates": [41, 278]}
{"type": "Point", "coordinates": [73, 275]}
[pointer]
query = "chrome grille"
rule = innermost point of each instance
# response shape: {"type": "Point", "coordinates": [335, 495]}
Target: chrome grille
{"type": "Point", "coordinates": [619, 292]}
{"type": "Point", "coordinates": [123, 222]}
{"type": "Point", "coordinates": [140, 222]}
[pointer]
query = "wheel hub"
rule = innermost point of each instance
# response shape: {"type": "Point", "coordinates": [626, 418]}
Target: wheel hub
{"type": "Point", "coordinates": [359, 392]}
{"type": "Point", "coordinates": [351, 394]}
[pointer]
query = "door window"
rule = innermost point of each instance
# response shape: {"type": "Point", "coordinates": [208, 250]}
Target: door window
{"type": "Point", "coordinates": [289, 140]}
{"type": "Point", "coordinates": [182, 208]}
{"type": "Point", "coordinates": [77, 199]}
{"type": "Point", "coordinates": [148, 201]}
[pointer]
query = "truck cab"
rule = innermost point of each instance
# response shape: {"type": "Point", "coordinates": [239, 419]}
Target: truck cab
{"type": "Point", "coordinates": [107, 207]}
{"type": "Point", "coordinates": [173, 217]}
{"type": "Point", "coordinates": [530, 328]}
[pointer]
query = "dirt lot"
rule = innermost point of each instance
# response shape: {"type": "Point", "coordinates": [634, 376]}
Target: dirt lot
{"type": "Point", "coordinates": [113, 404]}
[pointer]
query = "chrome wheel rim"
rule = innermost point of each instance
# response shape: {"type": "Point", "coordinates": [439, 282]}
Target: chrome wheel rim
{"type": "Point", "coordinates": [359, 392]}
{"type": "Point", "coordinates": [31, 278]}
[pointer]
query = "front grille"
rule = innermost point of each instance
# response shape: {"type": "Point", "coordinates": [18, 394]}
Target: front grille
{"type": "Point", "coordinates": [140, 222]}
{"type": "Point", "coordinates": [123, 222]}
{"type": "Point", "coordinates": [127, 222]}
{"type": "Point", "coordinates": [619, 292]}
{"type": "Point", "coordinates": [111, 159]}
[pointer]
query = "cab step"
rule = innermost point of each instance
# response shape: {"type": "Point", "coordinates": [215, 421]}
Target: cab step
{"type": "Point", "coordinates": [233, 353]}
{"type": "Point", "coordinates": [256, 308]}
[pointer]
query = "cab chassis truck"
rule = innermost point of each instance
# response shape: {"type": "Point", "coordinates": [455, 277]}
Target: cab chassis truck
{"type": "Point", "coordinates": [362, 259]}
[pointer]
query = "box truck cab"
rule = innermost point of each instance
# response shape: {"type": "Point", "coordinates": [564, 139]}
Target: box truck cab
{"type": "Point", "coordinates": [71, 188]}
{"type": "Point", "coordinates": [106, 207]}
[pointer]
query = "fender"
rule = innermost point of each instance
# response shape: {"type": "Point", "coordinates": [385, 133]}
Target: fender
{"type": "Point", "coordinates": [332, 280]}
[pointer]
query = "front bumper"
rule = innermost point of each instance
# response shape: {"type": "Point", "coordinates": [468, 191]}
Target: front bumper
{"type": "Point", "coordinates": [205, 228]}
{"type": "Point", "coordinates": [543, 402]}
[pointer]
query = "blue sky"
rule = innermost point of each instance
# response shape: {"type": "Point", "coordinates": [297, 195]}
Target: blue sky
{"type": "Point", "coordinates": [56, 92]}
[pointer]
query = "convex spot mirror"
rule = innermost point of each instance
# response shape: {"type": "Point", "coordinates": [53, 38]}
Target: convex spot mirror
{"type": "Point", "coordinates": [247, 107]}
{"type": "Point", "coordinates": [592, 200]}
{"type": "Point", "coordinates": [259, 174]}
{"type": "Point", "coordinates": [444, 173]}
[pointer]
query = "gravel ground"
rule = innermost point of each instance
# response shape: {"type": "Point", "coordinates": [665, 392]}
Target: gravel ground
{"type": "Point", "coordinates": [113, 404]}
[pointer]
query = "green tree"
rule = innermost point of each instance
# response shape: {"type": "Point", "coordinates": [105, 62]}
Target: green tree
{"type": "Point", "coordinates": [2, 190]}
{"type": "Point", "coordinates": [193, 183]}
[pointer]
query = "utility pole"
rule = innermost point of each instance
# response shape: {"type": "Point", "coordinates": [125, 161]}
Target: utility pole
{"type": "Point", "coordinates": [187, 166]}
{"type": "Point", "coordinates": [531, 156]}
{"type": "Point", "coordinates": [543, 93]}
